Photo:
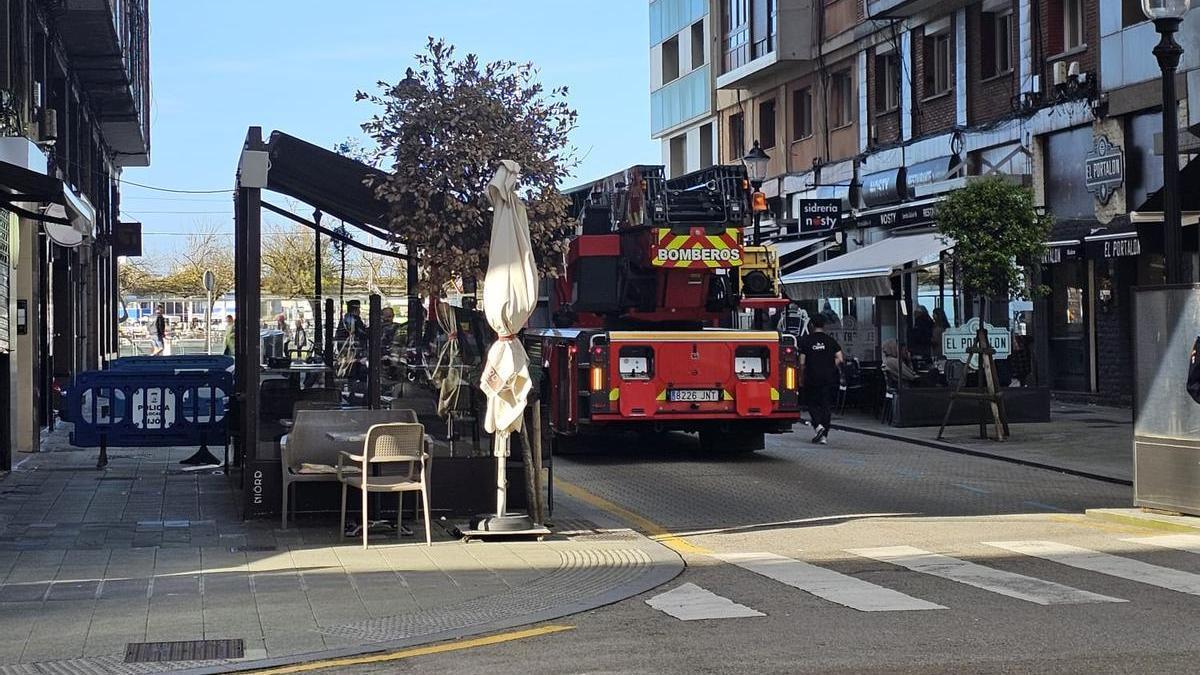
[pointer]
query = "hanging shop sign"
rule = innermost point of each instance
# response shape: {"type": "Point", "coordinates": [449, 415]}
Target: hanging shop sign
{"type": "Point", "coordinates": [884, 187]}
{"type": "Point", "coordinates": [128, 239]}
{"type": "Point", "coordinates": [819, 215]}
{"type": "Point", "coordinates": [1115, 246]}
{"type": "Point", "coordinates": [1104, 168]}
{"type": "Point", "coordinates": [1056, 253]}
{"type": "Point", "coordinates": [924, 173]}
{"type": "Point", "coordinates": [956, 341]}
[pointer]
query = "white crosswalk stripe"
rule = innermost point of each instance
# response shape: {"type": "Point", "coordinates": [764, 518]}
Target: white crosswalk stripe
{"type": "Point", "coordinates": [1010, 584]}
{"type": "Point", "coordinates": [1105, 563]}
{"type": "Point", "coordinates": [1179, 542]}
{"type": "Point", "coordinates": [823, 583]}
{"type": "Point", "coordinates": [689, 602]}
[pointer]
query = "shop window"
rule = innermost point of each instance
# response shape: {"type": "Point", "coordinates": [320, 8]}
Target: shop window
{"type": "Point", "coordinates": [887, 82]}
{"type": "Point", "coordinates": [766, 124]}
{"type": "Point", "coordinates": [843, 99]}
{"type": "Point", "coordinates": [802, 109]}
{"type": "Point", "coordinates": [938, 63]}
{"type": "Point", "coordinates": [996, 33]}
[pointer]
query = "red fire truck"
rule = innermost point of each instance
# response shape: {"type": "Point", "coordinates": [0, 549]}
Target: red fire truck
{"type": "Point", "coordinates": [643, 334]}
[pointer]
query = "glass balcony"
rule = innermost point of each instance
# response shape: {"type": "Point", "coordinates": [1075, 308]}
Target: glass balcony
{"type": "Point", "coordinates": [682, 100]}
{"type": "Point", "coordinates": [668, 17]}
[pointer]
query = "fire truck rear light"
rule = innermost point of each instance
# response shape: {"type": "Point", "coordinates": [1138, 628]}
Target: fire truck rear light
{"type": "Point", "coordinates": [789, 378]}
{"type": "Point", "coordinates": [597, 378]}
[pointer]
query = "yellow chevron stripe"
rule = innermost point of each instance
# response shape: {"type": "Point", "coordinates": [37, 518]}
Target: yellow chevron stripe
{"type": "Point", "coordinates": [662, 395]}
{"type": "Point", "coordinates": [774, 394]}
{"type": "Point", "coordinates": [614, 394]}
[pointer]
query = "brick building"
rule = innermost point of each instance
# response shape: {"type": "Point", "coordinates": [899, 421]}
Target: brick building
{"type": "Point", "coordinates": [888, 105]}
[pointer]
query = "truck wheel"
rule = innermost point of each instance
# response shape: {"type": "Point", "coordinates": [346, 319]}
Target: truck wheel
{"type": "Point", "coordinates": [731, 442]}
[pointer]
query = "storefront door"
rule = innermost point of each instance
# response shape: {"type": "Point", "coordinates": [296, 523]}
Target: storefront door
{"type": "Point", "coordinates": [1070, 360]}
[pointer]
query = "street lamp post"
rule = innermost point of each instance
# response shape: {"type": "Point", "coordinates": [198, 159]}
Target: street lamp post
{"type": "Point", "coordinates": [756, 162]}
{"type": "Point", "coordinates": [1167, 15]}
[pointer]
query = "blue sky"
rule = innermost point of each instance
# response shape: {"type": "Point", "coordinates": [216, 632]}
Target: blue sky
{"type": "Point", "coordinates": [219, 66]}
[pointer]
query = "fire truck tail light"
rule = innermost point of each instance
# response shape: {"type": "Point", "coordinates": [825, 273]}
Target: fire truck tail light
{"type": "Point", "coordinates": [789, 377]}
{"type": "Point", "coordinates": [597, 378]}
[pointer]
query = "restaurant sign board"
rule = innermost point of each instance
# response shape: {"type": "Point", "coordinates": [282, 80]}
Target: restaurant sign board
{"type": "Point", "coordinates": [819, 215]}
{"type": "Point", "coordinates": [1104, 168]}
{"type": "Point", "coordinates": [956, 341]}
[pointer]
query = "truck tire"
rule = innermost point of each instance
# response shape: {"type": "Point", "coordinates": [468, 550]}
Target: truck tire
{"type": "Point", "coordinates": [732, 442]}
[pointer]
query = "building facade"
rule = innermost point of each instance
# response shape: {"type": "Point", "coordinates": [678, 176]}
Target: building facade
{"type": "Point", "coordinates": [682, 102]}
{"type": "Point", "coordinates": [888, 105]}
{"type": "Point", "coordinates": [74, 110]}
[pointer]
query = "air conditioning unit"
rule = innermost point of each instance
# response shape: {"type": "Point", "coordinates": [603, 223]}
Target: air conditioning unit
{"type": "Point", "coordinates": [1060, 73]}
{"type": "Point", "coordinates": [1073, 70]}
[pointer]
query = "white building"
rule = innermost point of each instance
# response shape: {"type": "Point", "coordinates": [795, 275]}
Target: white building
{"type": "Point", "coordinates": [681, 84]}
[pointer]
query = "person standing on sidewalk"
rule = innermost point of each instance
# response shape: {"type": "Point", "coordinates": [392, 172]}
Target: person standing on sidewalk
{"type": "Point", "coordinates": [159, 339]}
{"type": "Point", "coordinates": [820, 359]}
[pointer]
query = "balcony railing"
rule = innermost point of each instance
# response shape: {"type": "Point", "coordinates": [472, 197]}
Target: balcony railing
{"type": "Point", "coordinates": [683, 100]}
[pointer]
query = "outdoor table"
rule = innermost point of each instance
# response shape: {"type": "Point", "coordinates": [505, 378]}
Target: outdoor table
{"type": "Point", "coordinates": [359, 437]}
{"type": "Point", "coordinates": [347, 436]}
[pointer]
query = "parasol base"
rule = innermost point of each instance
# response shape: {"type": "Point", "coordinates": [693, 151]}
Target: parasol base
{"type": "Point", "coordinates": [201, 457]}
{"type": "Point", "coordinates": [510, 524]}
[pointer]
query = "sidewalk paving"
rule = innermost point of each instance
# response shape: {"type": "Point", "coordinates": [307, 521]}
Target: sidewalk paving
{"type": "Point", "coordinates": [146, 551]}
{"type": "Point", "coordinates": [1089, 440]}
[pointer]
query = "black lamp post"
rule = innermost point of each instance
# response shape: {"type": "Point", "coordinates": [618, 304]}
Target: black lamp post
{"type": "Point", "coordinates": [756, 162]}
{"type": "Point", "coordinates": [1167, 15]}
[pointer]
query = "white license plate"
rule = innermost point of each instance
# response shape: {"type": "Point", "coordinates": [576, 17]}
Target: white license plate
{"type": "Point", "coordinates": [694, 395]}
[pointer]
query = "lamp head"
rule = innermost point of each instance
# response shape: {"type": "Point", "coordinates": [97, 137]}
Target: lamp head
{"type": "Point", "coordinates": [1165, 9]}
{"type": "Point", "coordinates": [756, 162]}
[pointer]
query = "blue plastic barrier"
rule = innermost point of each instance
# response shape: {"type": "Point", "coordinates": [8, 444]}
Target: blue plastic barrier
{"type": "Point", "coordinates": [153, 402]}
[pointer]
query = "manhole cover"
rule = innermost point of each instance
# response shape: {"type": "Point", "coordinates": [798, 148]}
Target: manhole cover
{"type": "Point", "coordinates": [193, 650]}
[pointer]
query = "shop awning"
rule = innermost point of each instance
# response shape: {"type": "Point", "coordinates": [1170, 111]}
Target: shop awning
{"type": "Point", "coordinates": [866, 272]}
{"type": "Point", "coordinates": [68, 216]}
{"type": "Point", "coordinates": [793, 252]}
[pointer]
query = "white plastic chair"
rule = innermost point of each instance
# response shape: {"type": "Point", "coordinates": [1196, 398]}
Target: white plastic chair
{"type": "Point", "coordinates": [394, 443]}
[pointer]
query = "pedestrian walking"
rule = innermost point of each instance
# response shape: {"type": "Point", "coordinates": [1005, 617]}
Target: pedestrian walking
{"type": "Point", "coordinates": [230, 340]}
{"type": "Point", "coordinates": [158, 338]}
{"type": "Point", "coordinates": [820, 360]}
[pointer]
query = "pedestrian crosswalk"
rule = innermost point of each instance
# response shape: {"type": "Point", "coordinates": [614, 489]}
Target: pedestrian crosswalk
{"type": "Point", "coordinates": [986, 574]}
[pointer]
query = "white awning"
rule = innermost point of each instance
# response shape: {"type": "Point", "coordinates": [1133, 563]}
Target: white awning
{"type": "Point", "coordinates": [790, 246]}
{"type": "Point", "coordinates": [866, 272]}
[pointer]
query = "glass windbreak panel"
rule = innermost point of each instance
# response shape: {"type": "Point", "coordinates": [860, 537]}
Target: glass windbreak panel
{"type": "Point", "coordinates": [1165, 330]}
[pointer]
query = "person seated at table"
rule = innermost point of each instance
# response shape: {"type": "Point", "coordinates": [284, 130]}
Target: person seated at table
{"type": "Point", "coordinates": [920, 338]}
{"type": "Point", "coordinates": [352, 323]}
{"type": "Point", "coordinates": [387, 339]}
{"type": "Point", "coordinates": [896, 365]}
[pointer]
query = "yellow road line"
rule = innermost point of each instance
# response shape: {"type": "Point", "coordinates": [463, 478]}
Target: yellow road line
{"type": "Point", "coordinates": [645, 525]}
{"type": "Point", "coordinates": [439, 648]}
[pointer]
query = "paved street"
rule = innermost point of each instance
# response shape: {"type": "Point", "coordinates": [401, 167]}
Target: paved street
{"type": "Point", "coordinates": [868, 555]}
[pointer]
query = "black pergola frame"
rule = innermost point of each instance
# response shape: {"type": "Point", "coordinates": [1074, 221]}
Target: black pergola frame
{"type": "Point", "coordinates": [333, 184]}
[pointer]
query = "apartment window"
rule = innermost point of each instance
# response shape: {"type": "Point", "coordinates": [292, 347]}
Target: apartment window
{"type": "Point", "coordinates": [766, 124]}
{"type": "Point", "coordinates": [1072, 24]}
{"type": "Point", "coordinates": [802, 110]}
{"type": "Point", "coordinates": [698, 45]}
{"type": "Point", "coordinates": [939, 63]}
{"type": "Point", "coordinates": [737, 34]}
{"type": "Point", "coordinates": [842, 92]}
{"type": "Point", "coordinates": [737, 135]}
{"type": "Point", "coordinates": [678, 155]}
{"type": "Point", "coordinates": [996, 38]}
{"type": "Point", "coordinates": [706, 146]}
{"type": "Point", "coordinates": [670, 60]}
{"type": "Point", "coordinates": [887, 82]}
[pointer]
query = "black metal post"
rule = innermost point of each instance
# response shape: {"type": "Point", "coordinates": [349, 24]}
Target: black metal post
{"type": "Point", "coordinates": [317, 341]}
{"type": "Point", "coordinates": [414, 299]}
{"type": "Point", "coordinates": [374, 350]}
{"type": "Point", "coordinates": [1168, 52]}
{"type": "Point", "coordinates": [248, 298]}
{"type": "Point", "coordinates": [328, 353]}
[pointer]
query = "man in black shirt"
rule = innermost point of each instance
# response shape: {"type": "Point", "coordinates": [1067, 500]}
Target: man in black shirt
{"type": "Point", "coordinates": [820, 358]}
{"type": "Point", "coordinates": [159, 338]}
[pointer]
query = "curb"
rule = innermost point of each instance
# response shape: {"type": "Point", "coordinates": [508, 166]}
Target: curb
{"type": "Point", "coordinates": [1146, 519]}
{"type": "Point", "coordinates": [950, 447]}
{"type": "Point", "coordinates": [665, 565]}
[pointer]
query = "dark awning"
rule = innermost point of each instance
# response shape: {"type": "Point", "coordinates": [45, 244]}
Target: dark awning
{"type": "Point", "coordinates": [1189, 191]}
{"type": "Point", "coordinates": [331, 182]}
{"type": "Point", "coordinates": [29, 185]}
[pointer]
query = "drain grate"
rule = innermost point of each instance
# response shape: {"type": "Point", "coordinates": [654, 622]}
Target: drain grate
{"type": "Point", "coordinates": [253, 548]}
{"type": "Point", "coordinates": [191, 650]}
